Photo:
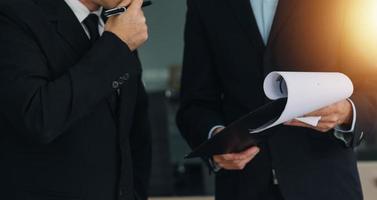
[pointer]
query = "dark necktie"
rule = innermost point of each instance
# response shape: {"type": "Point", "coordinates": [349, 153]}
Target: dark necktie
{"type": "Point", "coordinates": [91, 23]}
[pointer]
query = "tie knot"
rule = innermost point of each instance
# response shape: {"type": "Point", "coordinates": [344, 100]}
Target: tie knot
{"type": "Point", "coordinates": [91, 23]}
{"type": "Point", "coordinates": [91, 18]}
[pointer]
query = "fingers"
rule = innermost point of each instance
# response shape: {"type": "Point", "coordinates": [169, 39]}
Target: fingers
{"type": "Point", "coordinates": [329, 110]}
{"type": "Point", "coordinates": [236, 161]}
{"type": "Point", "coordinates": [330, 119]}
{"type": "Point", "coordinates": [321, 127]}
{"type": "Point", "coordinates": [248, 153]}
{"type": "Point", "coordinates": [124, 3]}
{"type": "Point", "coordinates": [135, 10]}
{"type": "Point", "coordinates": [321, 112]}
{"type": "Point", "coordinates": [130, 27]}
{"type": "Point", "coordinates": [239, 156]}
{"type": "Point", "coordinates": [298, 124]}
{"type": "Point", "coordinates": [331, 116]}
{"type": "Point", "coordinates": [135, 5]}
{"type": "Point", "coordinates": [325, 127]}
{"type": "Point", "coordinates": [236, 166]}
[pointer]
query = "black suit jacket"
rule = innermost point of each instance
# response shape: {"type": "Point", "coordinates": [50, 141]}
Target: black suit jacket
{"type": "Point", "coordinates": [225, 63]}
{"type": "Point", "coordinates": [64, 134]}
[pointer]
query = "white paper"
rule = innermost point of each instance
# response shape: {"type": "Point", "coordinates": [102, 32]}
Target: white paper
{"type": "Point", "coordinates": [313, 121]}
{"type": "Point", "coordinates": [305, 92]}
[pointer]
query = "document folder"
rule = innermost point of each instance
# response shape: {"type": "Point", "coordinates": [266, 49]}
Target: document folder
{"type": "Point", "coordinates": [293, 95]}
{"type": "Point", "coordinates": [236, 137]}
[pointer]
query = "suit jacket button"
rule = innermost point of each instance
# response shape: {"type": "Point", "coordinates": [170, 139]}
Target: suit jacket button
{"type": "Point", "coordinates": [115, 84]}
{"type": "Point", "coordinates": [125, 77]}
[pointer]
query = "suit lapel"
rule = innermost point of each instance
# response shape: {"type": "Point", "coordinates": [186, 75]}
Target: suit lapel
{"type": "Point", "coordinates": [243, 11]}
{"type": "Point", "coordinates": [66, 24]}
{"type": "Point", "coordinates": [70, 29]}
{"type": "Point", "coordinates": [72, 32]}
{"type": "Point", "coordinates": [283, 13]}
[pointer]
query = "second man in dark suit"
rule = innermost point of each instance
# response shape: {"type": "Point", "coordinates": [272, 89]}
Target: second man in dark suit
{"type": "Point", "coordinates": [230, 46]}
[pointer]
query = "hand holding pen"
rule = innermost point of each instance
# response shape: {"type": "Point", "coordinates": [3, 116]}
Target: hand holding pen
{"type": "Point", "coordinates": [131, 26]}
{"type": "Point", "coordinates": [122, 9]}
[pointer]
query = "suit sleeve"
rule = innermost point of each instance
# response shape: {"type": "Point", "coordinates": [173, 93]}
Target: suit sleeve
{"type": "Point", "coordinates": [141, 143]}
{"type": "Point", "coordinates": [360, 64]}
{"type": "Point", "coordinates": [42, 108]}
{"type": "Point", "coordinates": [200, 108]}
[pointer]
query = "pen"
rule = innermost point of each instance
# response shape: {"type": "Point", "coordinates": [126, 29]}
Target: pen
{"type": "Point", "coordinates": [120, 10]}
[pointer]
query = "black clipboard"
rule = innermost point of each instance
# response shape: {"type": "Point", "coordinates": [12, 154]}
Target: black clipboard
{"type": "Point", "coordinates": [236, 137]}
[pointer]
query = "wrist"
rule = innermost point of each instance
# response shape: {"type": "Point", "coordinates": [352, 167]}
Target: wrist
{"type": "Point", "coordinates": [119, 36]}
{"type": "Point", "coordinates": [215, 167]}
{"type": "Point", "coordinates": [349, 115]}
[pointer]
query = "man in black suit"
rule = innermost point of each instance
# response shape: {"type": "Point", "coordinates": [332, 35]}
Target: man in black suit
{"type": "Point", "coordinates": [73, 109]}
{"type": "Point", "coordinates": [230, 46]}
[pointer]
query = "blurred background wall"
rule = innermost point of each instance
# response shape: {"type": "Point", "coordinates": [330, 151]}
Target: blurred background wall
{"type": "Point", "coordinates": [161, 57]}
{"type": "Point", "coordinates": [166, 20]}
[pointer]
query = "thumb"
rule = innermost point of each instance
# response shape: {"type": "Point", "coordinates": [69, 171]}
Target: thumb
{"type": "Point", "coordinates": [252, 151]}
{"type": "Point", "coordinates": [135, 4]}
{"type": "Point", "coordinates": [124, 3]}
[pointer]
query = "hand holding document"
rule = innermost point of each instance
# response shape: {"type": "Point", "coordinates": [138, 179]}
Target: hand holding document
{"type": "Point", "coordinates": [294, 95]}
{"type": "Point", "coordinates": [305, 93]}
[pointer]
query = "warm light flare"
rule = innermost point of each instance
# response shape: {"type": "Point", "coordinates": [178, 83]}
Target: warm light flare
{"type": "Point", "coordinates": [362, 31]}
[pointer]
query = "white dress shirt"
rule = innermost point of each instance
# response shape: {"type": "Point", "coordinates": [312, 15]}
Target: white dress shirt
{"type": "Point", "coordinates": [264, 12]}
{"type": "Point", "coordinates": [81, 12]}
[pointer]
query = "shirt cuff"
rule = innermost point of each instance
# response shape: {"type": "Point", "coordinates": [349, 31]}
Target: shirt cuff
{"type": "Point", "coordinates": [214, 166]}
{"type": "Point", "coordinates": [343, 134]}
{"type": "Point", "coordinates": [210, 134]}
{"type": "Point", "coordinates": [352, 128]}
{"type": "Point", "coordinates": [212, 163]}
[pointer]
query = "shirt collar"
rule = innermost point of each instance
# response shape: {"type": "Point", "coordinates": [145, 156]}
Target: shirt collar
{"type": "Point", "coordinates": [81, 11]}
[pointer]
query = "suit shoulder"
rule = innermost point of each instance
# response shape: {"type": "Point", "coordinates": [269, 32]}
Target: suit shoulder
{"type": "Point", "coordinates": [206, 6]}
{"type": "Point", "coordinates": [15, 4]}
{"type": "Point", "coordinates": [18, 8]}
{"type": "Point", "coordinates": [203, 3]}
{"type": "Point", "coordinates": [21, 12]}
